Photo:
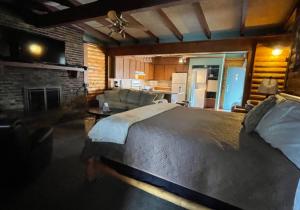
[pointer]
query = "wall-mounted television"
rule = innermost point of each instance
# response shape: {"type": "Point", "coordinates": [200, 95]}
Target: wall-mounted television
{"type": "Point", "coordinates": [22, 46]}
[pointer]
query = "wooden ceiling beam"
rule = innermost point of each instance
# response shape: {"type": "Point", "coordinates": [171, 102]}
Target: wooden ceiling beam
{"type": "Point", "coordinates": [133, 20]}
{"type": "Point", "coordinates": [206, 46]}
{"type": "Point", "coordinates": [244, 11]}
{"type": "Point", "coordinates": [170, 25]}
{"type": "Point", "coordinates": [202, 19]}
{"type": "Point", "coordinates": [98, 34]}
{"type": "Point", "coordinates": [97, 9]}
{"type": "Point", "coordinates": [295, 7]}
{"type": "Point", "coordinates": [105, 22]}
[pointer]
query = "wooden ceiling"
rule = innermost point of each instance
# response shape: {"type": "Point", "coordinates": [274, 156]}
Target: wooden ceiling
{"type": "Point", "coordinates": [162, 20]}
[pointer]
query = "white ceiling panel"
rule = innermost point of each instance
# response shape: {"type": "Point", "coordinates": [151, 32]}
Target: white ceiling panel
{"type": "Point", "coordinates": [184, 18]}
{"type": "Point", "coordinates": [137, 33]}
{"type": "Point", "coordinates": [222, 15]}
{"type": "Point", "coordinates": [267, 12]}
{"type": "Point", "coordinates": [152, 21]}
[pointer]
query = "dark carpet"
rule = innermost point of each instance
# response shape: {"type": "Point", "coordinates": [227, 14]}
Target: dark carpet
{"type": "Point", "coordinates": [61, 185]}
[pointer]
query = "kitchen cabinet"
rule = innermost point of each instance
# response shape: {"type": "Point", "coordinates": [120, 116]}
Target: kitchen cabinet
{"type": "Point", "coordinates": [159, 72]}
{"type": "Point", "coordinates": [169, 70]}
{"type": "Point", "coordinates": [151, 72]}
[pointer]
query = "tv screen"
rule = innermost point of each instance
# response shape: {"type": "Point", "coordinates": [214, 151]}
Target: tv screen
{"type": "Point", "coordinates": [17, 45]}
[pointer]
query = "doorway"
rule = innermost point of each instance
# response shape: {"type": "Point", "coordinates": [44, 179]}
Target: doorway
{"type": "Point", "coordinates": [234, 89]}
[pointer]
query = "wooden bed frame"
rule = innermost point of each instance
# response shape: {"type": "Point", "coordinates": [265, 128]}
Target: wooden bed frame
{"type": "Point", "coordinates": [95, 167]}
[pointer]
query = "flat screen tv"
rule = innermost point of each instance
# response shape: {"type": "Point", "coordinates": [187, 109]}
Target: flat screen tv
{"type": "Point", "coordinates": [21, 46]}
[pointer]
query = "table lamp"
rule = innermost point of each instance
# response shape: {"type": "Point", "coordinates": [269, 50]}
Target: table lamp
{"type": "Point", "coordinates": [268, 86]}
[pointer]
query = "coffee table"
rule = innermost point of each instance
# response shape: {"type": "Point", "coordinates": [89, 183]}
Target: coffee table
{"type": "Point", "coordinates": [100, 114]}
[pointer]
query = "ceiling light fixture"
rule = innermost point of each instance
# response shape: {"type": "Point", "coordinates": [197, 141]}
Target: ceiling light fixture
{"type": "Point", "coordinates": [276, 51]}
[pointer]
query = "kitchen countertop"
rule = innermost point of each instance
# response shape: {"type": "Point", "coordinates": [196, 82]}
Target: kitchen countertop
{"type": "Point", "coordinates": [163, 91]}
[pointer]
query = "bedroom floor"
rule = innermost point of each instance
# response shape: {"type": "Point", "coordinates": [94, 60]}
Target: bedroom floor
{"type": "Point", "coordinates": [61, 185]}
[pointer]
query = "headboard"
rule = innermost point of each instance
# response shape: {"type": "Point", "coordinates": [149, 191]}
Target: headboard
{"type": "Point", "coordinates": [290, 97]}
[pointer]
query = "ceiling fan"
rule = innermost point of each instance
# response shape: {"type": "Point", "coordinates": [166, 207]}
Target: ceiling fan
{"type": "Point", "coordinates": [120, 24]}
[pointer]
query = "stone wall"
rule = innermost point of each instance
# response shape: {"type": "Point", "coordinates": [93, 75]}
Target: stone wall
{"type": "Point", "coordinates": [14, 79]}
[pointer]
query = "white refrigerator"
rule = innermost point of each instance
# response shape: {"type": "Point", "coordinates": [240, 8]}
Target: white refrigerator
{"type": "Point", "coordinates": [199, 88]}
{"type": "Point", "coordinates": [179, 81]}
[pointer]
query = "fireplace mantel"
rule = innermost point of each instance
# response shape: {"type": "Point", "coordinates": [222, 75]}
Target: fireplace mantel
{"type": "Point", "coordinates": [40, 66]}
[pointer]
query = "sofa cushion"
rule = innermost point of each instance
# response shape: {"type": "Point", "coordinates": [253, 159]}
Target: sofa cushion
{"type": "Point", "coordinates": [132, 106]}
{"type": "Point", "coordinates": [133, 97]}
{"type": "Point", "coordinates": [123, 94]}
{"type": "Point", "coordinates": [112, 95]}
{"type": "Point", "coordinates": [117, 105]}
{"type": "Point", "coordinates": [147, 98]}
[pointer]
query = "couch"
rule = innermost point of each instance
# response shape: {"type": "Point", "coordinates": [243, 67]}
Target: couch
{"type": "Point", "coordinates": [126, 99]}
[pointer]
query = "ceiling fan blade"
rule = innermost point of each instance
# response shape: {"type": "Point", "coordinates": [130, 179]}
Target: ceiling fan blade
{"type": "Point", "coordinates": [112, 15]}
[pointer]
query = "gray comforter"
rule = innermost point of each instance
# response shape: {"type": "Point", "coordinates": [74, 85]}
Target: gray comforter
{"type": "Point", "coordinates": [208, 152]}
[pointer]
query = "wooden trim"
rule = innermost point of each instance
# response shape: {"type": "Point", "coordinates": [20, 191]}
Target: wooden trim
{"type": "Point", "coordinates": [40, 66]}
{"type": "Point", "coordinates": [243, 16]}
{"type": "Point", "coordinates": [207, 46]}
{"type": "Point", "coordinates": [296, 6]}
{"type": "Point", "coordinates": [93, 168]}
{"type": "Point", "coordinates": [96, 33]}
{"type": "Point", "coordinates": [249, 72]}
{"type": "Point", "coordinates": [170, 25]}
{"type": "Point", "coordinates": [202, 19]}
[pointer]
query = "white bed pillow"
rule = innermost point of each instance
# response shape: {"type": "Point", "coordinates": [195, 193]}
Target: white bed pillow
{"type": "Point", "coordinates": [281, 128]}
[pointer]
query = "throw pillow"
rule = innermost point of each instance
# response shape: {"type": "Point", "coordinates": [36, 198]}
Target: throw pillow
{"type": "Point", "coordinates": [254, 115]}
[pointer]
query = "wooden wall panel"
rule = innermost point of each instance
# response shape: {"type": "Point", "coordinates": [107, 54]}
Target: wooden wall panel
{"type": "Point", "coordinates": [265, 66]}
{"type": "Point", "coordinates": [94, 59]}
{"type": "Point", "coordinates": [126, 68]}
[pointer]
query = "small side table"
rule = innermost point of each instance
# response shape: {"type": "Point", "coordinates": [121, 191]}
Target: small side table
{"type": "Point", "coordinates": [239, 109]}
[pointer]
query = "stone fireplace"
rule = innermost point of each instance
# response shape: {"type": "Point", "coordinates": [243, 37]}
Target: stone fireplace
{"type": "Point", "coordinates": [35, 90]}
{"type": "Point", "coordinates": [38, 99]}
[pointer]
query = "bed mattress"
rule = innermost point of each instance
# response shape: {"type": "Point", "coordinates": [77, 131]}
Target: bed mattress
{"type": "Point", "coordinates": [207, 152]}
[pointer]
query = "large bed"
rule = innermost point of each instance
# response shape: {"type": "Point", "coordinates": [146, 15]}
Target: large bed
{"type": "Point", "coordinates": [206, 153]}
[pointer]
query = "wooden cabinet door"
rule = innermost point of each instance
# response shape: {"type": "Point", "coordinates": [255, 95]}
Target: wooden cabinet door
{"type": "Point", "coordinates": [151, 72]}
{"type": "Point", "coordinates": [159, 72]}
{"type": "Point", "coordinates": [146, 71]}
{"type": "Point", "coordinates": [182, 68]}
{"type": "Point", "coordinates": [169, 70]}
{"type": "Point", "coordinates": [126, 70]}
{"type": "Point", "coordinates": [132, 68]}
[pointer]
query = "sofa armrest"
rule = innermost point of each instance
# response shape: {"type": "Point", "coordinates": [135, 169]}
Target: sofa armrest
{"type": "Point", "coordinates": [101, 100]}
{"type": "Point", "coordinates": [161, 101]}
